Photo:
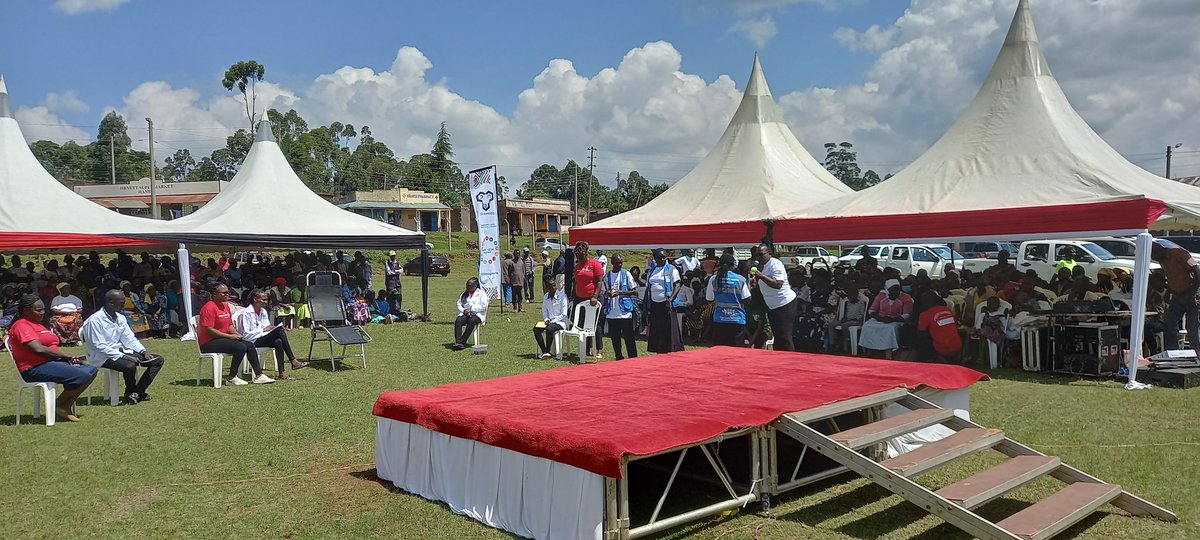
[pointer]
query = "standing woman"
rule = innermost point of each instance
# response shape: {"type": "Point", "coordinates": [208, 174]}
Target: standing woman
{"type": "Point", "coordinates": [727, 291]}
{"type": "Point", "coordinates": [35, 350]}
{"type": "Point", "coordinates": [472, 311]}
{"type": "Point", "coordinates": [215, 334]}
{"type": "Point", "coordinates": [663, 286]}
{"type": "Point", "coordinates": [620, 291]}
{"type": "Point", "coordinates": [587, 276]}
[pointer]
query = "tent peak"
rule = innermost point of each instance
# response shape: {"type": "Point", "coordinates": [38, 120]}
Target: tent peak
{"type": "Point", "coordinates": [757, 85]}
{"type": "Point", "coordinates": [1021, 55]}
{"type": "Point", "coordinates": [263, 131]}
{"type": "Point", "coordinates": [4, 111]}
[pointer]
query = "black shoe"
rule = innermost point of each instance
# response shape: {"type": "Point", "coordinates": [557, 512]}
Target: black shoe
{"type": "Point", "coordinates": [458, 347]}
{"type": "Point", "coordinates": [145, 396]}
{"type": "Point", "coordinates": [131, 399]}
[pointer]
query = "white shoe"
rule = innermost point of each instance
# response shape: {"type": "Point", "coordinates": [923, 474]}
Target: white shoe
{"type": "Point", "coordinates": [236, 381]}
{"type": "Point", "coordinates": [262, 378]}
{"type": "Point", "coordinates": [546, 355]}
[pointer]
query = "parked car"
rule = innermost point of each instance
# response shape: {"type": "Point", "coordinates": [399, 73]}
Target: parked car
{"type": "Point", "coordinates": [1190, 243]}
{"type": "Point", "coordinates": [250, 257]}
{"type": "Point", "coordinates": [985, 250]}
{"type": "Point", "coordinates": [553, 245]}
{"type": "Point", "coordinates": [1042, 256]}
{"type": "Point", "coordinates": [908, 258]}
{"type": "Point", "coordinates": [437, 265]}
{"type": "Point", "coordinates": [1126, 247]}
{"type": "Point", "coordinates": [808, 256]}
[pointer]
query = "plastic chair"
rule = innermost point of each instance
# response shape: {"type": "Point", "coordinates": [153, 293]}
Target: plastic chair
{"type": "Point", "coordinates": [555, 345]}
{"type": "Point", "coordinates": [216, 360]}
{"type": "Point", "coordinates": [583, 326]}
{"type": "Point", "coordinates": [476, 333]}
{"type": "Point", "coordinates": [851, 330]}
{"type": "Point", "coordinates": [49, 392]}
{"type": "Point", "coordinates": [112, 384]}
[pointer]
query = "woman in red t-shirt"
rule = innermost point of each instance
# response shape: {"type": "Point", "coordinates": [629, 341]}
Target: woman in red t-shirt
{"type": "Point", "coordinates": [589, 274]}
{"type": "Point", "coordinates": [216, 334]}
{"type": "Point", "coordinates": [35, 350]}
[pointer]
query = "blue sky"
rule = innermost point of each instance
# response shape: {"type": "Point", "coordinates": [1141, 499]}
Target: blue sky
{"type": "Point", "coordinates": [651, 84]}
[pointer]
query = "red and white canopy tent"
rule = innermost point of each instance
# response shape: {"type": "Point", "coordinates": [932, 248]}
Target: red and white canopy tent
{"type": "Point", "coordinates": [1020, 163]}
{"type": "Point", "coordinates": [39, 213]}
{"type": "Point", "coordinates": [757, 170]}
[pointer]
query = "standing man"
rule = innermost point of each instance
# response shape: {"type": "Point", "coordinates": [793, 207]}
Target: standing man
{"type": "Point", "coordinates": [110, 344]}
{"type": "Point", "coordinates": [392, 269]}
{"type": "Point", "coordinates": [600, 256]}
{"type": "Point", "coordinates": [559, 271]}
{"type": "Point", "coordinates": [517, 280]}
{"type": "Point", "coordinates": [547, 267]}
{"type": "Point", "coordinates": [769, 275]}
{"type": "Point", "coordinates": [688, 262]}
{"type": "Point", "coordinates": [527, 260]}
{"type": "Point", "coordinates": [362, 270]}
{"type": "Point", "coordinates": [506, 272]}
{"type": "Point", "coordinates": [1183, 280]}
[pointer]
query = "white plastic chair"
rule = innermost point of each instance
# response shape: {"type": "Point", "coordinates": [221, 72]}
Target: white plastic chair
{"type": "Point", "coordinates": [216, 360]}
{"type": "Point", "coordinates": [475, 334]}
{"type": "Point", "coordinates": [49, 392]}
{"type": "Point", "coordinates": [263, 352]}
{"type": "Point", "coordinates": [555, 345]}
{"type": "Point", "coordinates": [112, 384]}
{"type": "Point", "coordinates": [583, 326]}
{"type": "Point", "coordinates": [851, 330]}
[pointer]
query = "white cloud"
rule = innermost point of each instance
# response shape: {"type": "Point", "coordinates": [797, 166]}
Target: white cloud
{"type": "Point", "coordinates": [40, 123]}
{"type": "Point", "coordinates": [758, 30]}
{"type": "Point", "coordinates": [65, 102]}
{"type": "Point", "coordinates": [874, 39]}
{"type": "Point", "coordinates": [72, 7]}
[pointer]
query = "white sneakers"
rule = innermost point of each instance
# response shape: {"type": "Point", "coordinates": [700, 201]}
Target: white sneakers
{"type": "Point", "coordinates": [261, 379]}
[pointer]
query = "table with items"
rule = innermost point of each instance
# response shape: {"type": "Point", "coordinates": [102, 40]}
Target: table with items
{"type": "Point", "coordinates": [1082, 344]}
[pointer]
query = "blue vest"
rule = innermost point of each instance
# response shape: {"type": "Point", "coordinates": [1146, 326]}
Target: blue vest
{"type": "Point", "coordinates": [727, 296]}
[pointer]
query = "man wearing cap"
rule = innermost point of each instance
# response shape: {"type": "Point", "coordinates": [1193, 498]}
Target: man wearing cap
{"type": "Point", "coordinates": [886, 315]}
{"type": "Point", "coordinates": [391, 272]}
{"type": "Point", "coordinates": [547, 266]}
{"type": "Point", "coordinates": [110, 344]}
{"type": "Point", "coordinates": [527, 260]}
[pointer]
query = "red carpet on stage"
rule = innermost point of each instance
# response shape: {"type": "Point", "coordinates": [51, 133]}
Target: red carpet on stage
{"type": "Point", "coordinates": [592, 415]}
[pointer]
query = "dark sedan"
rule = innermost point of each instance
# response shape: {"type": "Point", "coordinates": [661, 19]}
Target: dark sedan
{"type": "Point", "coordinates": [437, 265]}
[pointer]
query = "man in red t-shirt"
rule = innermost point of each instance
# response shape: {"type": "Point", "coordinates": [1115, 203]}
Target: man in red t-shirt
{"type": "Point", "coordinates": [588, 275]}
{"type": "Point", "coordinates": [937, 321]}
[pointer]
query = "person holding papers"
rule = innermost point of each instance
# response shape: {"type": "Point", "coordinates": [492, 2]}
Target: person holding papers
{"type": "Point", "coordinates": [110, 344]}
{"type": "Point", "coordinates": [254, 323]}
{"type": "Point", "coordinates": [554, 317]}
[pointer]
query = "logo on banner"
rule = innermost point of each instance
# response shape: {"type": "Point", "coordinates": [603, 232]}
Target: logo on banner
{"type": "Point", "coordinates": [485, 198]}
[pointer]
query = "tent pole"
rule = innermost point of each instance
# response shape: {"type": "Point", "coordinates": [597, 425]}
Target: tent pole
{"type": "Point", "coordinates": [425, 283]}
{"type": "Point", "coordinates": [769, 237]}
{"type": "Point", "coordinates": [185, 289]}
{"type": "Point", "coordinates": [1137, 325]}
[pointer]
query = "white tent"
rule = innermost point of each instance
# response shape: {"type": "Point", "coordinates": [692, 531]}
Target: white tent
{"type": "Point", "coordinates": [39, 213]}
{"type": "Point", "coordinates": [267, 205]}
{"type": "Point", "coordinates": [1018, 163]}
{"type": "Point", "coordinates": [757, 170]}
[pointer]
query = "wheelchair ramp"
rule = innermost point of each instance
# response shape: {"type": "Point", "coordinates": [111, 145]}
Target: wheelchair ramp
{"type": "Point", "coordinates": [1082, 495]}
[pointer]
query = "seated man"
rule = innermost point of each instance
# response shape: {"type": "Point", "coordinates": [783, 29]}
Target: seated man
{"type": "Point", "coordinates": [111, 345]}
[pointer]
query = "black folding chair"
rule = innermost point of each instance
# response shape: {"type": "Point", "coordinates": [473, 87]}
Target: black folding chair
{"type": "Point", "coordinates": [328, 309]}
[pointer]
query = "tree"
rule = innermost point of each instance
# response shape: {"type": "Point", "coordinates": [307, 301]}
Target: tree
{"type": "Point", "coordinates": [114, 128]}
{"type": "Point", "coordinates": [842, 162]}
{"type": "Point", "coordinates": [244, 76]}
{"type": "Point", "coordinates": [178, 166]}
{"type": "Point", "coordinates": [238, 146]}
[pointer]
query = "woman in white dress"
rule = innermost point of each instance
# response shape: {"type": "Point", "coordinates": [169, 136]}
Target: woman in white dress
{"type": "Point", "coordinates": [888, 312]}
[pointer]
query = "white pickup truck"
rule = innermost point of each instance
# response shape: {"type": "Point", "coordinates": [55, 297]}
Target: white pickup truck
{"type": "Point", "coordinates": [1042, 256]}
{"type": "Point", "coordinates": [907, 258]}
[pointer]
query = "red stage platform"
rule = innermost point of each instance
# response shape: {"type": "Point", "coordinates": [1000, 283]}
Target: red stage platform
{"type": "Point", "coordinates": [591, 416]}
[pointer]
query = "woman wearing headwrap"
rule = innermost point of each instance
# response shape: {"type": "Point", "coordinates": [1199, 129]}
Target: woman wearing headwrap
{"type": "Point", "coordinates": [886, 315]}
{"type": "Point", "coordinates": [35, 351]}
{"type": "Point", "coordinates": [66, 314]}
{"type": "Point", "coordinates": [281, 298]}
{"type": "Point", "coordinates": [157, 313]}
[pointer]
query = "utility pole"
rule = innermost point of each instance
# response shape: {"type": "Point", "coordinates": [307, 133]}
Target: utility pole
{"type": "Point", "coordinates": [575, 221]}
{"type": "Point", "coordinates": [618, 192]}
{"type": "Point", "coordinates": [1169, 150]}
{"type": "Point", "coordinates": [591, 175]}
{"type": "Point", "coordinates": [153, 188]}
{"type": "Point", "coordinates": [112, 156]}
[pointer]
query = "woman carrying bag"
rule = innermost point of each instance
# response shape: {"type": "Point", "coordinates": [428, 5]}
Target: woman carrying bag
{"type": "Point", "coordinates": [619, 291]}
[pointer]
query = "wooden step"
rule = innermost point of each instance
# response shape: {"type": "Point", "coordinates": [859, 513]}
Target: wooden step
{"type": "Point", "coordinates": [998, 480]}
{"type": "Point", "coordinates": [888, 428]}
{"type": "Point", "coordinates": [839, 408]}
{"type": "Point", "coordinates": [1064, 508]}
{"type": "Point", "coordinates": [934, 454]}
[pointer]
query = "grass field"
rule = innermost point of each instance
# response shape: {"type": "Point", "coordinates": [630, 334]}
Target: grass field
{"type": "Point", "coordinates": [295, 459]}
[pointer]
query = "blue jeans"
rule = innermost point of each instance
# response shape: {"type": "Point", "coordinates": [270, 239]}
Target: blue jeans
{"type": "Point", "coordinates": [60, 371]}
{"type": "Point", "coordinates": [1182, 307]}
{"type": "Point", "coordinates": [507, 293]}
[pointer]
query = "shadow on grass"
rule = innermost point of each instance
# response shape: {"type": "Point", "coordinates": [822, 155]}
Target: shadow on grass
{"type": "Point", "coordinates": [192, 383]}
{"type": "Point", "coordinates": [1018, 375]}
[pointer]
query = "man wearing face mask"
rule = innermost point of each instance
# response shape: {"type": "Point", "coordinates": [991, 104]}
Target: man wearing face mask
{"type": "Point", "coordinates": [111, 345]}
{"type": "Point", "coordinates": [888, 312]}
{"type": "Point", "coordinates": [770, 276]}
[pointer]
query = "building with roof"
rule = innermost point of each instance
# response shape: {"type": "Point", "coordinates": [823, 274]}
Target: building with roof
{"type": "Point", "coordinates": [175, 199]}
{"type": "Point", "coordinates": [402, 207]}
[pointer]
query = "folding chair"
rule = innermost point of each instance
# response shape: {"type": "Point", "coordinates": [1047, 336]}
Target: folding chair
{"type": "Point", "coordinates": [49, 392]}
{"type": "Point", "coordinates": [583, 326]}
{"type": "Point", "coordinates": [329, 322]}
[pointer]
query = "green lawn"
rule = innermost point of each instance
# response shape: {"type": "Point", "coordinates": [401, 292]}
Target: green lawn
{"type": "Point", "coordinates": [295, 459]}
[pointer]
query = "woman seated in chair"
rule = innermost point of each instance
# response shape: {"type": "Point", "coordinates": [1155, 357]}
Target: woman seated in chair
{"type": "Point", "coordinates": [66, 315]}
{"type": "Point", "coordinates": [216, 333]}
{"type": "Point", "coordinates": [35, 350]}
{"type": "Point", "coordinates": [887, 313]}
{"type": "Point", "coordinates": [299, 296]}
{"type": "Point", "coordinates": [554, 317]}
{"type": "Point", "coordinates": [472, 311]}
{"type": "Point", "coordinates": [254, 323]}
{"type": "Point", "coordinates": [281, 298]}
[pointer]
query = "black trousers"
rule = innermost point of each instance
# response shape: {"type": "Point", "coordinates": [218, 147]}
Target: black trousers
{"type": "Point", "coordinates": [529, 286]}
{"type": "Point", "coordinates": [463, 326]}
{"type": "Point", "coordinates": [727, 334]}
{"type": "Point", "coordinates": [238, 349]}
{"type": "Point", "coordinates": [127, 364]}
{"type": "Point", "coordinates": [277, 339]}
{"type": "Point", "coordinates": [545, 336]}
{"type": "Point", "coordinates": [621, 330]}
{"type": "Point", "coordinates": [783, 318]}
{"type": "Point", "coordinates": [518, 296]}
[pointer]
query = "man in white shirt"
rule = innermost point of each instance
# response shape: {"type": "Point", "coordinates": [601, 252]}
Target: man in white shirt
{"type": "Point", "coordinates": [472, 308]}
{"type": "Point", "coordinates": [554, 317]}
{"type": "Point", "coordinates": [600, 256]}
{"type": "Point", "coordinates": [769, 275]}
{"type": "Point", "coordinates": [110, 344]}
{"type": "Point", "coordinates": [687, 262]}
